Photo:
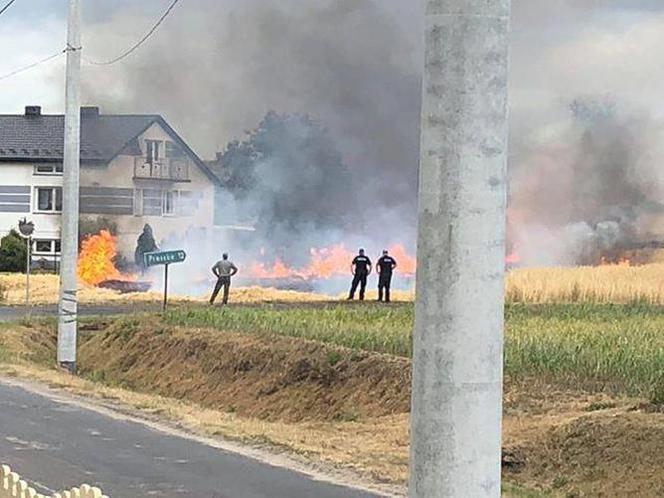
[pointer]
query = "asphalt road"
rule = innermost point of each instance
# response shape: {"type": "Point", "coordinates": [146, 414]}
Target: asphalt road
{"type": "Point", "coordinates": [58, 444]}
{"type": "Point", "coordinates": [8, 313]}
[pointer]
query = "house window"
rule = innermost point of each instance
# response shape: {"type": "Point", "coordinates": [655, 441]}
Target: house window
{"type": "Point", "coordinates": [138, 202]}
{"type": "Point", "coordinates": [152, 151]}
{"type": "Point", "coordinates": [48, 169]}
{"type": "Point", "coordinates": [152, 202]}
{"type": "Point", "coordinates": [49, 199]}
{"type": "Point", "coordinates": [45, 246]}
{"type": "Point", "coordinates": [170, 197]}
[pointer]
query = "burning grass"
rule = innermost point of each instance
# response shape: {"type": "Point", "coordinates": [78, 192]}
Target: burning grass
{"type": "Point", "coordinates": [618, 284]}
{"type": "Point", "coordinates": [96, 259]}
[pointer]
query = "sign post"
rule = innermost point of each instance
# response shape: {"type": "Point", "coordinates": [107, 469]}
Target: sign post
{"type": "Point", "coordinates": [165, 258]}
{"type": "Point", "coordinates": [27, 228]}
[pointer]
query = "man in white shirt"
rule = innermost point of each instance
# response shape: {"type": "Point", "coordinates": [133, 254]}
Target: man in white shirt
{"type": "Point", "coordinates": [223, 270]}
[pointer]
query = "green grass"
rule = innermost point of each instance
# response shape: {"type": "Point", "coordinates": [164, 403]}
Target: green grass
{"type": "Point", "coordinates": [617, 348]}
{"type": "Point", "coordinates": [373, 328]}
{"type": "Point", "coordinates": [513, 491]}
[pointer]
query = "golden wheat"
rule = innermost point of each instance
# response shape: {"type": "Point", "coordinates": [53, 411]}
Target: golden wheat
{"type": "Point", "coordinates": [598, 284]}
{"type": "Point", "coordinates": [44, 290]}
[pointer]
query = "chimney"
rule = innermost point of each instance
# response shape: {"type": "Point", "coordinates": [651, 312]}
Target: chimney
{"type": "Point", "coordinates": [32, 110]}
{"type": "Point", "coordinates": [89, 111]}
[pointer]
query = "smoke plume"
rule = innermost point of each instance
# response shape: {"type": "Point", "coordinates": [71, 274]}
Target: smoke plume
{"type": "Point", "coordinates": [588, 186]}
{"type": "Point", "coordinates": [585, 134]}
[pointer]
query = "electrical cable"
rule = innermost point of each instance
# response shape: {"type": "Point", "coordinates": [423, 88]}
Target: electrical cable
{"type": "Point", "coordinates": [34, 64]}
{"type": "Point", "coordinates": [140, 42]}
{"type": "Point", "coordinates": [9, 4]}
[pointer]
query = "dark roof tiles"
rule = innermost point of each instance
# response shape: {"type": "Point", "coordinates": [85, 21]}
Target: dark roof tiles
{"type": "Point", "coordinates": [41, 137]}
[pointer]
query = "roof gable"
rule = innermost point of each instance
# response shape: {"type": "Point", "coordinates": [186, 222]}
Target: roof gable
{"type": "Point", "coordinates": [103, 137]}
{"type": "Point", "coordinates": [41, 137]}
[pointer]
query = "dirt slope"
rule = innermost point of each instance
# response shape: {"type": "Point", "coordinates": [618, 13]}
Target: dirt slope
{"type": "Point", "coordinates": [270, 378]}
{"type": "Point", "coordinates": [323, 399]}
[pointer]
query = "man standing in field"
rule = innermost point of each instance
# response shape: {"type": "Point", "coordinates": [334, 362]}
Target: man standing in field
{"type": "Point", "coordinates": [361, 269]}
{"type": "Point", "coordinates": [223, 270]}
{"type": "Point", "coordinates": [385, 266]}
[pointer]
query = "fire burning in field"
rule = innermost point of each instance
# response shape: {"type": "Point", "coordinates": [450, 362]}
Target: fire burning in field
{"type": "Point", "coordinates": [325, 263]}
{"type": "Point", "coordinates": [95, 261]}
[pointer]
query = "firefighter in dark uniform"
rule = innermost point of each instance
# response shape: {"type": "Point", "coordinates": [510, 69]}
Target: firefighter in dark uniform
{"type": "Point", "coordinates": [361, 269]}
{"type": "Point", "coordinates": [385, 266]}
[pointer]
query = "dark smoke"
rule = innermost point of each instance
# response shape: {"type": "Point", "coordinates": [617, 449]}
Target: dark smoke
{"type": "Point", "coordinates": [288, 180]}
{"type": "Point", "coordinates": [584, 170]}
{"type": "Point", "coordinates": [350, 64]}
{"type": "Point", "coordinates": [591, 187]}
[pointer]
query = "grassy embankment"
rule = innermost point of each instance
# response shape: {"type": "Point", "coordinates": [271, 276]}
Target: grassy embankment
{"type": "Point", "coordinates": [246, 373]}
{"type": "Point", "coordinates": [619, 348]}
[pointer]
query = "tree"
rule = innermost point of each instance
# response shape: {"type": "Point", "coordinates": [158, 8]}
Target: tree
{"type": "Point", "coordinates": [289, 175]}
{"type": "Point", "coordinates": [13, 253]}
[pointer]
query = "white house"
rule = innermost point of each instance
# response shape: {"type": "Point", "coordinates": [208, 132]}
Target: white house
{"type": "Point", "coordinates": [135, 169]}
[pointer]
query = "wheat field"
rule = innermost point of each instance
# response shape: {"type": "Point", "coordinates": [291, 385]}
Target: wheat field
{"type": "Point", "coordinates": [619, 284]}
{"type": "Point", "coordinates": [44, 291]}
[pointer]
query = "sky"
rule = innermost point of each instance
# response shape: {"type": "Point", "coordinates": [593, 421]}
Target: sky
{"type": "Point", "coordinates": [606, 46]}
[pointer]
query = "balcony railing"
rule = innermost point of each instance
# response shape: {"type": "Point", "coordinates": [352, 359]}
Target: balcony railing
{"type": "Point", "coordinates": [176, 170]}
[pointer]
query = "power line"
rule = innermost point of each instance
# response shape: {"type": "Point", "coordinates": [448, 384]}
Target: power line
{"type": "Point", "coordinates": [34, 64]}
{"type": "Point", "coordinates": [2, 11]}
{"type": "Point", "coordinates": [140, 42]}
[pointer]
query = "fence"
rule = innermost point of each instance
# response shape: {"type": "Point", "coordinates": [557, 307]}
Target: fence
{"type": "Point", "coordinates": [12, 486]}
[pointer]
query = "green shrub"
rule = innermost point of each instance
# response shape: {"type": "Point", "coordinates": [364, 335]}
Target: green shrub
{"type": "Point", "coordinates": [13, 253]}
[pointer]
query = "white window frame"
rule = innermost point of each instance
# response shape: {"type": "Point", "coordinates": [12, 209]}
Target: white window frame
{"type": "Point", "coordinates": [175, 196]}
{"type": "Point", "coordinates": [138, 202]}
{"type": "Point", "coordinates": [53, 170]}
{"type": "Point", "coordinates": [51, 252]}
{"type": "Point", "coordinates": [54, 189]}
{"type": "Point", "coordinates": [158, 151]}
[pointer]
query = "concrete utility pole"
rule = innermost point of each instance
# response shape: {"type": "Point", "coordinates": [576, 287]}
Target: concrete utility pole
{"type": "Point", "coordinates": [67, 309]}
{"type": "Point", "coordinates": [458, 335]}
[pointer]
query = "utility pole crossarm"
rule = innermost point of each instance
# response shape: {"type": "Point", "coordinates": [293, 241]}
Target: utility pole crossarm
{"type": "Point", "coordinates": [458, 334]}
{"type": "Point", "coordinates": [68, 305]}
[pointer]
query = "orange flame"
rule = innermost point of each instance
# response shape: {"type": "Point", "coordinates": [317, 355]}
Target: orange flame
{"type": "Point", "coordinates": [406, 263]}
{"type": "Point", "coordinates": [95, 261]}
{"type": "Point", "coordinates": [623, 261]}
{"type": "Point", "coordinates": [327, 262]}
{"type": "Point", "coordinates": [513, 258]}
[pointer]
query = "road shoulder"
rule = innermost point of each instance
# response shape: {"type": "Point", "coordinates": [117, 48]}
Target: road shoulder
{"type": "Point", "coordinates": [149, 411]}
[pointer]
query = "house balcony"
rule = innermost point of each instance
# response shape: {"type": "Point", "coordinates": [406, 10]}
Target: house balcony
{"type": "Point", "coordinates": [174, 170]}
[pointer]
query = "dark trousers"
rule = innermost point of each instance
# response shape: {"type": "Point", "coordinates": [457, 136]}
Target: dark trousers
{"type": "Point", "coordinates": [361, 280]}
{"type": "Point", "coordinates": [224, 282]}
{"type": "Point", "coordinates": [384, 282]}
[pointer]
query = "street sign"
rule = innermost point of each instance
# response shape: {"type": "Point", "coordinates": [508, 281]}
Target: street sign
{"type": "Point", "coordinates": [164, 257]}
